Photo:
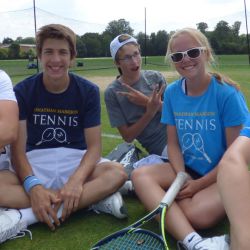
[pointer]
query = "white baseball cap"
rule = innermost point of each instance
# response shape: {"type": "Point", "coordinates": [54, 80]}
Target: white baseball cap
{"type": "Point", "coordinates": [119, 41]}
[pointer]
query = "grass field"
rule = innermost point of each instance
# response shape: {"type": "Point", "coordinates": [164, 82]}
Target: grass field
{"type": "Point", "coordinates": [84, 228]}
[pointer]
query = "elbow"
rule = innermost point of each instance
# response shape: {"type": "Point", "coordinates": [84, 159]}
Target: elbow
{"type": "Point", "coordinates": [128, 139]}
{"type": "Point", "coordinates": [9, 137]}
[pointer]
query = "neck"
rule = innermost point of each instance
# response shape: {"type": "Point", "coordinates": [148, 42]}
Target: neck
{"type": "Point", "coordinates": [129, 79]}
{"type": "Point", "coordinates": [196, 87]}
{"type": "Point", "coordinates": [56, 86]}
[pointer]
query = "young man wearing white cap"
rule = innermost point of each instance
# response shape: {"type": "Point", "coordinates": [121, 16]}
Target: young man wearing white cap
{"type": "Point", "coordinates": [134, 99]}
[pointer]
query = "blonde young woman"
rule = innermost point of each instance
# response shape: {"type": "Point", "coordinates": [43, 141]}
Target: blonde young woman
{"type": "Point", "coordinates": [203, 115]}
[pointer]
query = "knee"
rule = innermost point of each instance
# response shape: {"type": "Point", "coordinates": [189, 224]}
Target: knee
{"type": "Point", "coordinates": [3, 193]}
{"type": "Point", "coordinates": [203, 218]}
{"type": "Point", "coordinates": [138, 175]}
{"type": "Point", "coordinates": [117, 172]}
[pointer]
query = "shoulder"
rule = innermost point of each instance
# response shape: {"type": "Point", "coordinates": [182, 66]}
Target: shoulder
{"type": "Point", "coordinates": [4, 78]}
{"type": "Point", "coordinates": [85, 86]}
{"type": "Point", "coordinates": [113, 87]}
{"type": "Point", "coordinates": [173, 86]}
{"type": "Point", "coordinates": [226, 92]}
{"type": "Point", "coordinates": [28, 82]}
{"type": "Point", "coordinates": [6, 88]}
{"type": "Point", "coordinates": [152, 74]}
{"type": "Point", "coordinates": [223, 88]}
{"type": "Point", "coordinates": [83, 82]}
{"type": "Point", "coordinates": [5, 82]}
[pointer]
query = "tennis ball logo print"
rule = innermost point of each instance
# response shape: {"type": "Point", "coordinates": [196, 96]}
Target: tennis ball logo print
{"type": "Point", "coordinates": [50, 134]}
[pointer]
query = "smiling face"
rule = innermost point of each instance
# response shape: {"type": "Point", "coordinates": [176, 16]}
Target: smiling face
{"type": "Point", "coordinates": [129, 59]}
{"type": "Point", "coordinates": [188, 67]}
{"type": "Point", "coordinates": [55, 59]}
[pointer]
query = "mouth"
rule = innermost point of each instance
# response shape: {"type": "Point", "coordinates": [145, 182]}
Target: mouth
{"type": "Point", "coordinates": [135, 68]}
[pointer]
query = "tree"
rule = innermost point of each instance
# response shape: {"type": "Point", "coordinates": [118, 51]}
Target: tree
{"type": "Point", "coordinates": [80, 47]}
{"type": "Point", "coordinates": [3, 53]}
{"type": "Point", "coordinates": [106, 39]}
{"type": "Point", "coordinates": [8, 40]}
{"type": "Point", "coordinates": [118, 27]}
{"type": "Point", "coordinates": [14, 51]}
{"type": "Point", "coordinates": [161, 41]}
{"type": "Point", "coordinates": [144, 45]}
{"type": "Point", "coordinates": [28, 40]}
{"type": "Point", "coordinates": [236, 29]}
{"type": "Point", "coordinates": [93, 44]}
{"type": "Point", "coordinates": [202, 27]}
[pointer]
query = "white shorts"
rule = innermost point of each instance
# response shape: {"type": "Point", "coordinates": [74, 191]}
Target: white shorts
{"type": "Point", "coordinates": [5, 158]}
{"type": "Point", "coordinates": [54, 166]}
{"type": "Point", "coordinates": [165, 152]}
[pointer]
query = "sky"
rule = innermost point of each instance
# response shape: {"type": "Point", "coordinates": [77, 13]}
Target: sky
{"type": "Point", "coordinates": [16, 16]}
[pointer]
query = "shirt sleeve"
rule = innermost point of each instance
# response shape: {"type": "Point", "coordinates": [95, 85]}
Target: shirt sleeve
{"type": "Point", "coordinates": [113, 108]}
{"type": "Point", "coordinates": [235, 110]}
{"type": "Point", "coordinates": [246, 129]}
{"type": "Point", "coordinates": [167, 111]}
{"type": "Point", "coordinates": [6, 88]}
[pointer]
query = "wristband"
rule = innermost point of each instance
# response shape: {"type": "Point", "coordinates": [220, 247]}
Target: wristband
{"type": "Point", "coordinates": [30, 181]}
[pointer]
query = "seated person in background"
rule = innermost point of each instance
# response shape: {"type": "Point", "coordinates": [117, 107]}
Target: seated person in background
{"type": "Point", "coordinates": [234, 186]}
{"type": "Point", "coordinates": [134, 99]}
{"type": "Point", "coordinates": [204, 115]}
{"type": "Point", "coordinates": [57, 154]}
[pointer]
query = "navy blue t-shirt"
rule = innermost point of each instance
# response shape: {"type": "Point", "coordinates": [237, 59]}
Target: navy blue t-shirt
{"type": "Point", "coordinates": [58, 120]}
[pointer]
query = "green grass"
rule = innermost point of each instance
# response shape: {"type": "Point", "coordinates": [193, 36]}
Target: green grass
{"type": "Point", "coordinates": [85, 228]}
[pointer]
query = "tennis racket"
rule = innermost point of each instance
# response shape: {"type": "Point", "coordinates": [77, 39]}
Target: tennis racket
{"type": "Point", "coordinates": [133, 237]}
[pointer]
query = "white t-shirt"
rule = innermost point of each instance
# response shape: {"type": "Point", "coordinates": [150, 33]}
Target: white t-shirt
{"type": "Point", "coordinates": [6, 88]}
{"type": "Point", "coordinates": [6, 93]}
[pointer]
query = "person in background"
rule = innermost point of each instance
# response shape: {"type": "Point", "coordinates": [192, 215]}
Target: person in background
{"type": "Point", "coordinates": [57, 153]}
{"type": "Point", "coordinates": [234, 186]}
{"type": "Point", "coordinates": [204, 115]}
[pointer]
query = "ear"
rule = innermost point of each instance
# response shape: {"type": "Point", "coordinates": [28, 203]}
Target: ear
{"type": "Point", "coordinates": [116, 63]}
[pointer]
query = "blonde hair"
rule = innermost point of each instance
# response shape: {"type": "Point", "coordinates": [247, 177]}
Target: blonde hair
{"type": "Point", "coordinates": [202, 40]}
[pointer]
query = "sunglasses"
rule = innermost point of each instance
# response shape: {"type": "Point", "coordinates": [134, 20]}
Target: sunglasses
{"type": "Point", "coordinates": [191, 53]}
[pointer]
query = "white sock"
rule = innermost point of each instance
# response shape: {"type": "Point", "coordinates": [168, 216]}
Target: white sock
{"type": "Point", "coordinates": [191, 239]}
{"type": "Point", "coordinates": [29, 217]}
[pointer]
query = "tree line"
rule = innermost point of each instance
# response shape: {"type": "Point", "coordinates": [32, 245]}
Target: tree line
{"type": "Point", "coordinates": [224, 39]}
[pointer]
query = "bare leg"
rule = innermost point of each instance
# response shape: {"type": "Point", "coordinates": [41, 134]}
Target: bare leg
{"type": "Point", "coordinates": [234, 186]}
{"type": "Point", "coordinates": [106, 179]}
{"type": "Point", "coordinates": [150, 184]}
{"type": "Point", "coordinates": [12, 194]}
{"type": "Point", "coordinates": [204, 209]}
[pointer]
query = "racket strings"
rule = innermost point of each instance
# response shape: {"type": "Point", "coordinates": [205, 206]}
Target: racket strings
{"type": "Point", "coordinates": [134, 241]}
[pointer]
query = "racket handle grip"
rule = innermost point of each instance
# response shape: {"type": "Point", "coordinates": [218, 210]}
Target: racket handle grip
{"type": "Point", "coordinates": [174, 189]}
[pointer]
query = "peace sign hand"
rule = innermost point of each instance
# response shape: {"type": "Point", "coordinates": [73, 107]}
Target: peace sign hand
{"type": "Point", "coordinates": [155, 103]}
{"type": "Point", "coordinates": [134, 96]}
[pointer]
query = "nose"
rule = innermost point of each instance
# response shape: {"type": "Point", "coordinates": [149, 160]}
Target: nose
{"type": "Point", "coordinates": [56, 57]}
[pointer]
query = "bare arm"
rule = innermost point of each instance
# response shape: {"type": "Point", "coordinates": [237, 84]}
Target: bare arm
{"type": "Point", "coordinates": [231, 134]}
{"type": "Point", "coordinates": [42, 200]}
{"type": "Point", "coordinates": [174, 151]}
{"type": "Point", "coordinates": [194, 186]}
{"type": "Point", "coordinates": [8, 122]}
{"type": "Point", "coordinates": [72, 190]}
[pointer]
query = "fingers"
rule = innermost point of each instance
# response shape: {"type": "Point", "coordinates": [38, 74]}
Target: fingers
{"type": "Point", "coordinates": [48, 215]}
{"type": "Point", "coordinates": [129, 88]}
